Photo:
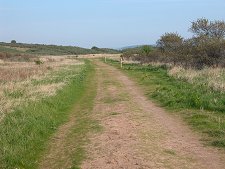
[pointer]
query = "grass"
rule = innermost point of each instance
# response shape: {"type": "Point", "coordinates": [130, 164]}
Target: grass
{"type": "Point", "coordinates": [14, 94]}
{"type": "Point", "coordinates": [202, 107]}
{"type": "Point", "coordinates": [84, 123]}
{"type": "Point", "coordinates": [171, 152]}
{"type": "Point", "coordinates": [209, 77]}
{"type": "Point", "coordinates": [25, 131]}
{"type": "Point", "coordinates": [114, 113]}
{"type": "Point", "coordinates": [21, 82]}
{"type": "Point", "coordinates": [110, 100]}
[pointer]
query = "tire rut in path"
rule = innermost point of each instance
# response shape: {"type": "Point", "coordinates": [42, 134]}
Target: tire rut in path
{"type": "Point", "coordinates": [65, 148]}
{"type": "Point", "coordinates": [137, 134]}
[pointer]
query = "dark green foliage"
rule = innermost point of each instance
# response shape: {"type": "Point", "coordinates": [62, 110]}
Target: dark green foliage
{"type": "Point", "coordinates": [13, 41]}
{"type": "Point", "coordinates": [95, 48]}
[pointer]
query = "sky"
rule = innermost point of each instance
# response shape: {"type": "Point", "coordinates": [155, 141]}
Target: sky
{"type": "Point", "coordinates": [101, 23]}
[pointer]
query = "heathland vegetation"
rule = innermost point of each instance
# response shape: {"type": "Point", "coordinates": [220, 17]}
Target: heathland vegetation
{"type": "Point", "coordinates": [38, 49]}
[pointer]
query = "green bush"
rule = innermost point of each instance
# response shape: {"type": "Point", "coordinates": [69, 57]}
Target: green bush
{"type": "Point", "coordinates": [38, 62]}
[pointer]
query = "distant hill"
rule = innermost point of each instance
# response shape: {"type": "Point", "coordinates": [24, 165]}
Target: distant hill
{"type": "Point", "coordinates": [40, 49]}
{"type": "Point", "coordinates": [134, 46]}
{"type": "Point", "coordinates": [130, 47]}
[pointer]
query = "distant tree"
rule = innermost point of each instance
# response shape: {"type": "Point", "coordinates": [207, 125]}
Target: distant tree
{"type": "Point", "coordinates": [206, 48]}
{"type": "Point", "coordinates": [13, 41]}
{"type": "Point", "coordinates": [218, 29]}
{"type": "Point", "coordinates": [170, 42]}
{"type": "Point", "coordinates": [212, 29]}
{"type": "Point", "coordinates": [95, 48]}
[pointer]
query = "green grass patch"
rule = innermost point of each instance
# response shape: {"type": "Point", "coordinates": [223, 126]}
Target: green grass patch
{"type": "Point", "coordinates": [114, 113]}
{"type": "Point", "coordinates": [14, 94]}
{"type": "Point", "coordinates": [110, 100]}
{"type": "Point", "coordinates": [202, 107]}
{"type": "Point", "coordinates": [170, 152]}
{"type": "Point", "coordinates": [84, 123]}
{"type": "Point", "coordinates": [24, 133]}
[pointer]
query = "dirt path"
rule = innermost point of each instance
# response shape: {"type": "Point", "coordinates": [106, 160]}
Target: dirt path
{"type": "Point", "coordinates": [139, 135]}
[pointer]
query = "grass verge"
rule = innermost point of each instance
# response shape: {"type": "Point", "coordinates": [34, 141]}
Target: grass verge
{"type": "Point", "coordinates": [85, 124]}
{"type": "Point", "coordinates": [24, 133]}
{"type": "Point", "coordinates": [202, 107]}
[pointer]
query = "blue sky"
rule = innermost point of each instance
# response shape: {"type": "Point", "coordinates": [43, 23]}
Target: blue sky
{"type": "Point", "coordinates": [102, 23]}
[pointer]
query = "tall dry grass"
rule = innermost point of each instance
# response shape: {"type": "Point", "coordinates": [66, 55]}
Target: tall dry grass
{"type": "Point", "coordinates": [211, 77]}
{"type": "Point", "coordinates": [22, 82]}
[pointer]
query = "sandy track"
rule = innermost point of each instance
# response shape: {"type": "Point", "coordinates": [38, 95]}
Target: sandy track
{"type": "Point", "coordinates": [139, 135]}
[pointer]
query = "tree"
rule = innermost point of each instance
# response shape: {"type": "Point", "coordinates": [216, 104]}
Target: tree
{"type": "Point", "coordinates": [95, 48]}
{"type": "Point", "coordinates": [218, 29]}
{"type": "Point", "coordinates": [146, 49]}
{"type": "Point", "coordinates": [170, 42]}
{"type": "Point", "coordinates": [13, 41]}
{"type": "Point", "coordinates": [208, 44]}
{"type": "Point", "coordinates": [211, 29]}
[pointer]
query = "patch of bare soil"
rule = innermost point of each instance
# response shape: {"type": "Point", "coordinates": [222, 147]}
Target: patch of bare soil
{"type": "Point", "coordinates": [139, 135]}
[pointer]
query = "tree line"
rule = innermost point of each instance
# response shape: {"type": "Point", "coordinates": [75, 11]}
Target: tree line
{"type": "Point", "coordinates": [206, 48]}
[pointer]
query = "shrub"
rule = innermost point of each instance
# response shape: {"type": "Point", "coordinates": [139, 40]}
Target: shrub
{"type": "Point", "coordinates": [205, 49]}
{"type": "Point", "coordinates": [13, 41]}
{"type": "Point", "coordinates": [95, 48]}
{"type": "Point", "coordinates": [38, 62]}
{"type": "Point", "coordinates": [170, 42]}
